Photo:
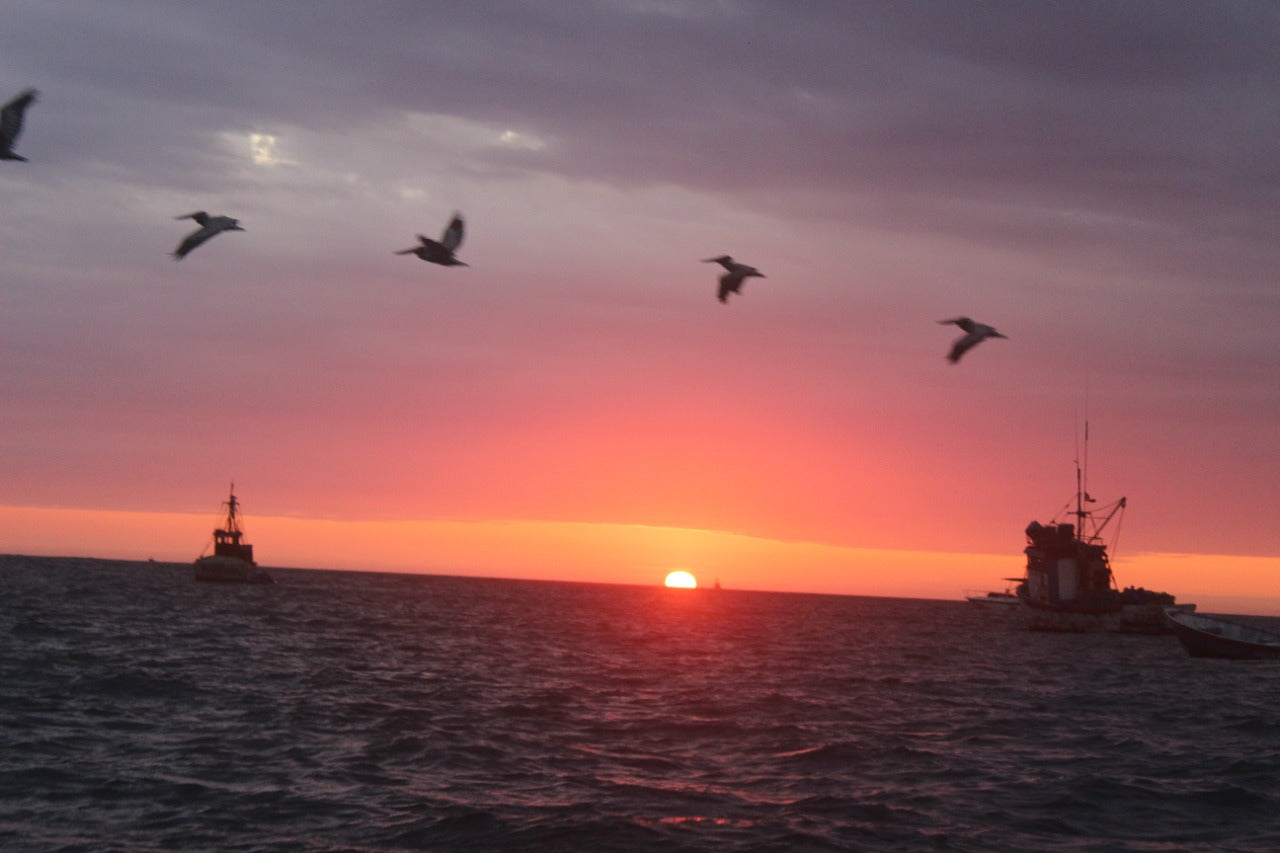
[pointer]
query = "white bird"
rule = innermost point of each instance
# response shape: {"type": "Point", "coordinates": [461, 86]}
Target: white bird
{"type": "Point", "coordinates": [441, 251]}
{"type": "Point", "coordinates": [977, 332]}
{"type": "Point", "coordinates": [209, 226]}
{"type": "Point", "coordinates": [736, 273]}
{"type": "Point", "coordinates": [11, 124]}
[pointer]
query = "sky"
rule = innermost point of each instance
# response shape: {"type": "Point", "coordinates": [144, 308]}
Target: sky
{"type": "Point", "coordinates": [1099, 181]}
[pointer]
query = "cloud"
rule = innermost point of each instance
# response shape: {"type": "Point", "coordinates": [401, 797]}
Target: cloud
{"type": "Point", "coordinates": [1096, 179]}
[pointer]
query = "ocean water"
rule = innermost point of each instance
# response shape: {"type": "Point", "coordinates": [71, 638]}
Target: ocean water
{"type": "Point", "coordinates": [140, 710]}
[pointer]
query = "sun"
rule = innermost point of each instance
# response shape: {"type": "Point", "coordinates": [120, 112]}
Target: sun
{"type": "Point", "coordinates": [682, 580]}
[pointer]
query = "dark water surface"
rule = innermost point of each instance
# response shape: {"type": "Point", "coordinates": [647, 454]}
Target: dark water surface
{"type": "Point", "coordinates": [348, 711]}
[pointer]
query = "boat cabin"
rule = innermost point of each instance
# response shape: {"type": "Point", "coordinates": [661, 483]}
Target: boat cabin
{"type": "Point", "coordinates": [226, 543]}
{"type": "Point", "coordinates": [1064, 570]}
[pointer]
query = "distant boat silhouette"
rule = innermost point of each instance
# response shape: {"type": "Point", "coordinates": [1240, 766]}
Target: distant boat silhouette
{"type": "Point", "coordinates": [232, 558]}
{"type": "Point", "coordinates": [210, 226]}
{"type": "Point", "coordinates": [441, 251]}
{"type": "Point", "coordinates": [1006, 600]}
{"type": "Point", "coordinates": [977, 333]}
{"type": "Point", "coordinates": [11, 115]}
{"type": "Point", "coordinates": [736, 273]}
{"type": "Point", "coordinates": [995, 601]}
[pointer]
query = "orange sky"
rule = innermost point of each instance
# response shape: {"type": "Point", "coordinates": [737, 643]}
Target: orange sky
{"type": "Point", "coordinates": [612, 553]}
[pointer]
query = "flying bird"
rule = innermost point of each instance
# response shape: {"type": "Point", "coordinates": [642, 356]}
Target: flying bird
{"type": "Point", "coordinates": [11, 124]}
{"type": "Point", "coordinates": [976, 334]}
{"type": "Point", "coordinates": [441, 251]}
{"type": "Point", "coordinates": [736, 273]}
{"type": "Point", "coordinates": [210, 226]}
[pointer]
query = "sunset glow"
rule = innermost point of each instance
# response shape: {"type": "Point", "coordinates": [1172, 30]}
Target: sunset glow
{"type": "Point", "coordinates": [682, 580]}
{"type": "Point", "coordinates": [577, 404]}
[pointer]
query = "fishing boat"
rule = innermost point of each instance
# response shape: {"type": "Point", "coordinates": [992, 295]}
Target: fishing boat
{"type": "Point", "coordinates": [1215, 637]}
{"type": "Point", "coordinates": [1069, 585]}
{"type": "Point", "coordinates": [232, 558]}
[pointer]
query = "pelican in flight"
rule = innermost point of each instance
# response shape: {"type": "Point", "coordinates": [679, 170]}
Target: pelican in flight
{"type": "Point", "coordinates": [976, 333]}
{"type": "Point", "coordinates": [736, 273]}
{"type": "Point", "coordinates": [441, 251]}
{"type": "Point", "coordinates": [11, 124]}
{"type": "Point", "coordinates": [209, 226]}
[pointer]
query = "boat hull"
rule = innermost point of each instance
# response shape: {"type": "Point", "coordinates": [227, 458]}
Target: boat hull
{"type": "Point", "coordinates": [1039, 617]}
{"type": "Point", "coordinates": [1128, 619]}
{"type": "Point", "coordinates": [229, 570]}
{"type": "Point", "coordinates": [1211, 637]}
{"type": "Point", "coordinates": [997, 602]}
{"type": "Point", "coordinates": [1149, 618]}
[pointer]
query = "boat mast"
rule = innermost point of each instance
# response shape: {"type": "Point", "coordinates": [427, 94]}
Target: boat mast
{"type": "Point", "coordinates": [233, 524]}
{"type": "Point", "coordinates": [1080, 485]}
{"type": "Point", "coordinates": [231, 507]}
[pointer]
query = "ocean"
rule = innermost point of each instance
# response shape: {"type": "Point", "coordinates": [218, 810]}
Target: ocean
{"type": "Point", "coordinates": [348, 711]}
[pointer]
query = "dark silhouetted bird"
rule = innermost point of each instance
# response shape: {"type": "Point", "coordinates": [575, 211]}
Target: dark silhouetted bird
{"type": "Point", "coordinates": [977, 333]}
{"type": "Point", "coordinates": [11, 115]}
{"type": "Point", "coordinates": [736, 273]}
{"type": "Point", "coordinates": [441, 251]}
{"type": "Point", "coordinates": [210, 226]}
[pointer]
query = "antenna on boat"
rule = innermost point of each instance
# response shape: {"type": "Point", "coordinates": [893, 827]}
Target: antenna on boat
{"type": "Point", "coordinates": [1081, 463]}
{"type": "Point", "coordinates": [1079, 503]}
{"type": "Point", "coordinates": [1082, 470]}
{"type": "Point", "coordinates": [1087, 499]}
{"type": "Point", "coordinates": [233, 515]}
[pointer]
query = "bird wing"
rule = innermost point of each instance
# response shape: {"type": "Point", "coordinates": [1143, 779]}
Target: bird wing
{"type": "Point", "coordinates": [730, 282]}
{"type": "Point", "coordinates": [195, 238]}
{"type": "Point", "coordinates": [11, 117]}
{"type": "Point", "coordinates": [962, 346]}
{"type": "Point", "coordinates": [199, 216]}
{"type": "Point", "coordinates": [963, 322]}
{"type": "Point", "coordinates": [451, 239]}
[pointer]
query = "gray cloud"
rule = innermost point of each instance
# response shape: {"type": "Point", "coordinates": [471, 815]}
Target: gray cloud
{"type": "Point", "coordinates": [1160, 110]}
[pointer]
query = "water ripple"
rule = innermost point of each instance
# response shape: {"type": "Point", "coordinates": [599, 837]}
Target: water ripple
{"type": "Point", "coordinates": [346, 711]}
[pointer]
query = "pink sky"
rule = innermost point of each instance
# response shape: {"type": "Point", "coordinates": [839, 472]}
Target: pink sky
{"type": "Point", "coordinates": [1098, 181]}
